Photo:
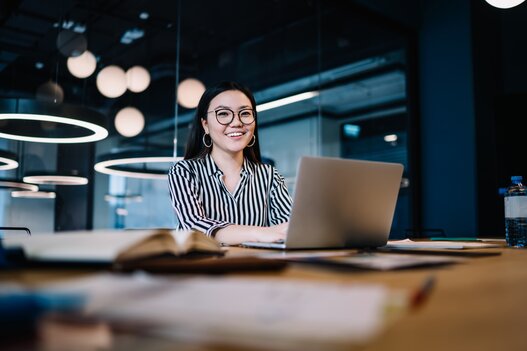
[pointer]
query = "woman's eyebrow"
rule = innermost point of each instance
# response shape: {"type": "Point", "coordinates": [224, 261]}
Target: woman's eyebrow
{"type": "Point", "coordinates": [230, 108]}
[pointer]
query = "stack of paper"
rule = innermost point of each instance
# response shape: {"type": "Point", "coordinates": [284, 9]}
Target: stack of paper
{"type": "Point", "coordinates": [263, 312]}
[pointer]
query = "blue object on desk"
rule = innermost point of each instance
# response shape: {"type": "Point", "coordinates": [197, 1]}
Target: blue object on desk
{"type": "Point", "coordinates": [20, 310]}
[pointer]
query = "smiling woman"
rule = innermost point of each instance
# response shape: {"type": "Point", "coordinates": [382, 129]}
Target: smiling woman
{"type": "Point", "coordinates": [222, 187]}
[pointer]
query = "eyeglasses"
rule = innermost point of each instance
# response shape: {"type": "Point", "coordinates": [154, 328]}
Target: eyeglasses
{"type": "Point", "coordinates": [225, 116]}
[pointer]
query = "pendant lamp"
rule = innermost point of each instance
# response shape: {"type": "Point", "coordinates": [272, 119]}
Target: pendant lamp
{"type": "Point", "coordinates": [30, 120]}
{"type": "Point", "coordinates": [8, 160]}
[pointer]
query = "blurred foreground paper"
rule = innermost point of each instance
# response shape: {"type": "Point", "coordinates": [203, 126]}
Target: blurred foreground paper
{"type": "Point", "coordinates": [242, 311]}
{"type": "Point", "coordinates": [454, 245]}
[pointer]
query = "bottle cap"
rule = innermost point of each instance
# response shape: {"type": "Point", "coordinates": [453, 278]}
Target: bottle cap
{"type": "Point", "coordinates": [516, 179]}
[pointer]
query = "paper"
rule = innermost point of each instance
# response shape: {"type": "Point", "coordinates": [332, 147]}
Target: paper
{"type": "Point", "coordinates": [385, 261]}
{"type": "Point", "coordinates": [239, 310]}
{"type": "Point", "coordinates": [456, 245]}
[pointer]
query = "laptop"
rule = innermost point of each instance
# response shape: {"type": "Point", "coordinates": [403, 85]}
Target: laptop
{"type": "Point", "coordinates": [341, 203]}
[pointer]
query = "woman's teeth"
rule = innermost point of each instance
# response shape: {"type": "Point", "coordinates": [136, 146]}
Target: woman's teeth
{"type": "Point", "coordinates": [234, 134]}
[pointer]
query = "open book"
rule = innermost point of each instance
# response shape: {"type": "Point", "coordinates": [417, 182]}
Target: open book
{"type": "Point", "coordinates": [111, 246]}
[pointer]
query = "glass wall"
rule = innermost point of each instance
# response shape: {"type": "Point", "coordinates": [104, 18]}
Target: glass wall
{"type": "Point", "coordinates": [353, 63]}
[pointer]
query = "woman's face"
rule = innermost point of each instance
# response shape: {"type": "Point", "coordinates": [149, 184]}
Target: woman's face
{"type": "Point", "coordinates": [230, 136]}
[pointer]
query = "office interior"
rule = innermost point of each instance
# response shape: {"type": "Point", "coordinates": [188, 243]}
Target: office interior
{"type": "Point", "coordinates": [435, 85]}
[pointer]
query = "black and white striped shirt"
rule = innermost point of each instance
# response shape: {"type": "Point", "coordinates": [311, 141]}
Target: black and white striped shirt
{"type": "Point", "coordinates": [202, 202]}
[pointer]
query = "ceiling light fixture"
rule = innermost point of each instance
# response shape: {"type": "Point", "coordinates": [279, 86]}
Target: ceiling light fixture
{"type": "Point", "coordinates": [111, 81]}
{"type": "Point", "coordinates": [82, 66]}
{"type": "Point", "coordinates": [71, 43]}
{"type": "Point", "coordinates": [504, 4]}
{"type": "Point", "coordinates": [8, 160]}
{"type": "Point", "coordinates": [137, 79]}
{"type": "Point", "coordinates": [189, 92]}
{"type": "Point", "coordinates": [129, 121]}
{"type": "Point", "coordinates": [29, 120]}
{"type": "Point", "coordinates": [122, 163]}
{"type": "Point", "coordinates": [13, 184]}
{"type": "Point", "coordinates": [54, 179]}
{"type": "Point", "coordinates": [286, 101]}
{"type": "Point", "coordinates": [33, 194]}
{"type": "Point", "coordinates": [50, 92]}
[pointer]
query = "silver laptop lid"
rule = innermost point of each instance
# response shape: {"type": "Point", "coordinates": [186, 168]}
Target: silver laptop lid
{"type": "Point", "coordinates": [343, 203]}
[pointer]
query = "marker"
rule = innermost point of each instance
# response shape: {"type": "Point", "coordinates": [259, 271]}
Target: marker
{"type": "Point", "coordinates": [420, 295]}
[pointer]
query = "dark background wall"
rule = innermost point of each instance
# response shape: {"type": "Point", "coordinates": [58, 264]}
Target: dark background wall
{"type": "Point", "coordinates": [472, 93]}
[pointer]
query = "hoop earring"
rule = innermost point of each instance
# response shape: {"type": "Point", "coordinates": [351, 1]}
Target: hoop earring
{"type": "Point", "coordinates": [204, 143]}
{"type": "Point", "coordinates": [254, 141]}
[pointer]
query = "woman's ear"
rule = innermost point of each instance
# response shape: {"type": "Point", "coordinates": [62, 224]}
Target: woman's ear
{"type": "Point", "coordinates": [205, 125]}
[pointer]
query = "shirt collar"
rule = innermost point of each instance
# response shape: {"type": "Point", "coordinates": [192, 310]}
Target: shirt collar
{"type": "Point", "coordinates": [211, 166]}
{"type": "Point", "coordinates": [213, 169]}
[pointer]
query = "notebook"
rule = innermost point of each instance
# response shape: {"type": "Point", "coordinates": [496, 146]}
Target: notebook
{"type": "Point", "coordinates": [341, 203]}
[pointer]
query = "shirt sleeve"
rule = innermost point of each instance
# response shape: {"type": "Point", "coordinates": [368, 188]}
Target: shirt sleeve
{"type": "Point", "coordinates": [280, 204]}
{"type": "Point", "coordinates": [186, 202]}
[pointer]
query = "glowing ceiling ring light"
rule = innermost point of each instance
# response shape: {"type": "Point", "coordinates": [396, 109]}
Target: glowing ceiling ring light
{"type": "Point", "coordinates": [29, 120]}
{"type": "Point", "coordinates": [120, 163]}
{"type": "Point", "coordinates": [14, 184]}
{"type": "Point", "coordinates": [24, 194]}
{"type": "Point", "coordinates": [55, 179]}
{"type": "Point", "coordinates": [504, 4]}
{"type": "Point", "coordinates": [8, 160]}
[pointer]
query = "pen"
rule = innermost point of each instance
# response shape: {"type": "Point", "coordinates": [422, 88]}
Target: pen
{"type": "Point", "coordinates": [421, 294]}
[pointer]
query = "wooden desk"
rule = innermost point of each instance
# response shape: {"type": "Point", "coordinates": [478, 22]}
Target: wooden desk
{"type": "Point", "coordinates": [478, 305]}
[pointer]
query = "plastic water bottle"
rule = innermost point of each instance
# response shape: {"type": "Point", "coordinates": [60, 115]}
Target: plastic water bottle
{"type": "Point", "coordinates": [516, 213]}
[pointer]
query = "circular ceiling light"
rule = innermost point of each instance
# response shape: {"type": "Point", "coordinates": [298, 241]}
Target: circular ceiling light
{"type": "Point", "coordinates": [14, 184]}
{"type": "Point", "coordinates": [189, 92]}
{"type": "Point", "coordinates": [82, 66]}
{"type": "Point", "coordinates": [50, 92]}
{"type": "Point", "coordinates": [33, 194]}
{"type": "Point", "coordinates": [129, 121]}
{"type": "Point", "coordinates": [504, 4]}
{"type": "Point", "coordinates": [133, 163]}
{"type": "Point", "coordinates": [28, 120]}
{"type": "Point", "coordinates": [55, 179]}
{"type": "Point", "coordinates": [137, 79]}
{"type": "Point", "coordinates": [70, 43]}
{"type": "Point", "coordinates": [8, 160]}
{"type": "Point", "coordinates": [111, 81]}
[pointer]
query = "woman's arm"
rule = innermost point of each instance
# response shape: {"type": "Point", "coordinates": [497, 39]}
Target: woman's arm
{"type": "Point", "coordinates": [186, 202]}
{"type": "Point", "coordinates": [236, 234]}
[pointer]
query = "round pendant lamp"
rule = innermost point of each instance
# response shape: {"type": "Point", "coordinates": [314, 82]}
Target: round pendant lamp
{"type": "Point", "coordinates": [111, 81]}
{"type": "Point", "coordinates": [71, 43]}
{"type": "Point", "coordinates": [82, 66]}
{"type": "Point", "coordinates": [8, 160]}
{"type": "Point", "coordinates": [137, 79]}
{"type": "Point", "coordinates": [134, 164]}
{"type": "Point", "coordinates": [189, 92]}
{"type": "Point", "coordinates": [30, 120]}
{"type": "Point", "coordinates": [129, 121]}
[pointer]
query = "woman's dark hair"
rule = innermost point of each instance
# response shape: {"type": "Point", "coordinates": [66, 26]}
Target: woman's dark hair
{"type": "Point", "coordinates": [195, 147]}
